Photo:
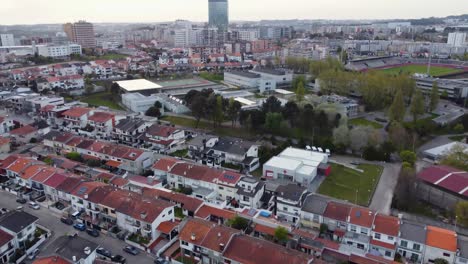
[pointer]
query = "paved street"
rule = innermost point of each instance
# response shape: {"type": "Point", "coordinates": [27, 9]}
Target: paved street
{"type": "Point", "coordinates": [52, 222]}
{"type": "Point", "coordinates": [382, 199]}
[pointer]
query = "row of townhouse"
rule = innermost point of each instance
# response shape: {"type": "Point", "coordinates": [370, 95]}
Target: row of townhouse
{"type": "Point", "coordinates": [101, 206]}
{"type": "Point", "coordinates": [87, 121]}
{"type": "Point", "coordinates": [211, 243]}
{"type": "Point", "coordinates": [116, 156]}
{"type": "Point", "coordinates": [218, 186]}
{"type": "Point", "coordinates": [367, 231]}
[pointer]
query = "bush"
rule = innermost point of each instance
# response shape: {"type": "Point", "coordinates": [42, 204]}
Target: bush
{"type": "Point", "coordinates": [459, 129]}
{"type": "Point", "coordinates": [408, 156]}
{"type": "Point", "coordinates": [74, 156]}
{"type": "Point", "coordinates": [93, 163]}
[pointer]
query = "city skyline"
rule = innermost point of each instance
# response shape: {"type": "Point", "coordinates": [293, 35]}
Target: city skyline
{"type": "Point", "coordinates": [197, 10]}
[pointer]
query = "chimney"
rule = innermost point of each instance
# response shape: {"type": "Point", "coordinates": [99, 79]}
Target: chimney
{"type": "Point", "coordinates": [143, 214]}
{"type": "Point", "coordinates": [150, 179]}
{"type": "Point", "coordinates": [86, 196]}
{"type": "Point", "coordinates": [219, 234]}
{"type": "Point", "coordinates": [74, 258]}
{"type": "Point", "coordinates": [193, 237]}
{"type": "Point", "coordinates": [221, 246]}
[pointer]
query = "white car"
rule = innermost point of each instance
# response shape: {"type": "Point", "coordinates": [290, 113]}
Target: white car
{"type": "Point", "coordinates": [33, 254]}
{"type": "Point", "coordinates": [34, 206]}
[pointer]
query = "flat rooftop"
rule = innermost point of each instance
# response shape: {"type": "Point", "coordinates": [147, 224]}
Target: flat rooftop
{"type": "Point", "coordinates": [184, 83]}
{"type": "Point", "coordinates": [269, 71]}
{"type": "Point", "coordinates": [138, 85]}
{"type": "Point", "coordinates": [245, 74]}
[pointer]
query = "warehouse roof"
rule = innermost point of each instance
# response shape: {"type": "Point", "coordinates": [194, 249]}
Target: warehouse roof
{"type": "Point", "coordinates": [138, 85]}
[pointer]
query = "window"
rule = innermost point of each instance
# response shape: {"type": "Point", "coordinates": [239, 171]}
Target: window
{"type": "Point", "coordinates": [285, 208]}
{"type": "Point", "coordinates": [170, 212]}
{"type": "Point", "coordinates": [446, 255]}
{"type": "Point", "coordinates": [388, 253]}
{"type": "Point", "coordinates": [417, 247]}
{"type": "Point", "coordinates": [390, 238]}
{"type": "Point", "coordinates": [184, 243]}
{"type": "Point", "coordinates": [404, 243]}
{"type": "Point", "coordinates": [316, 218]}
{"type": "Point", "coordinates": [360, 246]}
{"type": "Point", "coordinates": [221, 188]}
{"type": "Point", "coordinates": [364, 231]}
{"type": "Point", "coordinates": [377, 236]}
{"type": "Point", "coordinates": [352, 228]}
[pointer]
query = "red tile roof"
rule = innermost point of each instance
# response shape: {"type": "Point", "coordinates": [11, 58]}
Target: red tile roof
{"type": "Point", "coordinates": [55, 180]}
{"type": "Point", "coordinates": [364, 260]}
{"type": "Point", "coordinates": [165, 164]}
{"type": "Point", "coordinates": [51, 260]}
{"type": "Point", "coordinates": [382, 244]}
{"type": "Point", "coordinates": [20, 164]}
{"type": "Point", "coordinates": [77, 112]}
{"type": "Point", "coordinates": [361, 217]}
{"type": "Point", "coordinates": [160, 130]}
{"type": "Point", "coordinates": [441, 238]}
{"type": "Point", "coordinates": [31, 171]}
{"type": "Point", "coordinates": [337, 211]}
{"type": "Point", "coordinates": [385, 224]}
{"type": "Point", "coordinates": [44, 174]}
{"type": "Point", "coordinates": [85, 188]}
{"type": "Point", "coordinates": [119, 182]}
{"type": "Point", "coordinates": [229, 178]}
{"type": "Point", "coordinates": [205, 211]}
{"type": "Point", "coordinates": [188, 203]}
{"type": "Point", "coordinates": [23, 131]}
{"type": "Point", "coordinates": [249, 250]}
{"type": "Point", "coordinates": [146, 210]}
{"type": "Point", "coordinates": [101, 117]}
{"type": "Point", "coordinates": [448, 178]}
{"type": "Point", "coordinates": [195, 230]}
{"type": "Point", "coordinates": [218, 235]}
{"type": "Point", "coordinates": [196, 172]}
{"type": "Point", "coordinates": [264, 229]}
{"type": "Point", "coordinates": [68, 184]}
{"type": "Point", "coordinates": [167, 226]}
{"type": "Point", "coordinates": [4, 141]}
{"type": "Point", "coordinates": [143, 180]}
{"type": "Point", "coordinates": [4, 237]}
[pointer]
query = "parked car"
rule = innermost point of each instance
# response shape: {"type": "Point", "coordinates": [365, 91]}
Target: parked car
{"type": "Point", "coordinates": [161, 260]}
{"type": "Point", "coordinates": [66, 220]}
{"type": "Point", "coordinates": [104, 252]}
{"type": "Point", "coordinates": [21, 200]}
{"type": "Point", "coordinates": [79, 226]}
{"type": "Point", "coordinates": [131, 250]}
{"type": "Point", "coordinates": [33, 254]}
{"type": "Point", "coordinates": [92, 232]}
{"type": "Point", "coordinates": [34, 206]}
{"type": "Point", "coordinates": [118, 259]}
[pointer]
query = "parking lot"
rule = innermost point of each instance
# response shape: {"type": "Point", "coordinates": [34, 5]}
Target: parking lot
{"type": "Point", "coordinates": [51, 220]}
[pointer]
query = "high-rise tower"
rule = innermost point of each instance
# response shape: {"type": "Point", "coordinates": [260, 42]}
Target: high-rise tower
{"type": "Point", "coordinates": [219, 14]}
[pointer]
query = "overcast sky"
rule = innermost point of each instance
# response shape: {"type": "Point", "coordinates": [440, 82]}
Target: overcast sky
{"type": "Point", "coordinates": [60, 11]}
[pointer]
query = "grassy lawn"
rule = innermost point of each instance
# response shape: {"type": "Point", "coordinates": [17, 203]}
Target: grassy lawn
{"type": "Point", "coordinates": [411, 69]}
{"type": "Point", "coordinates": [212, 77]}
{"type": "Point", "coordinates": [101, 99]}
{"type": "Point", "coordinates": [222, 131]}
{"type": "Point", "coordinates": [364, 122]}
{"type": "Point", "coordinates": [182, 153]}
{"type": "Point", "coordinates": [343, 183]}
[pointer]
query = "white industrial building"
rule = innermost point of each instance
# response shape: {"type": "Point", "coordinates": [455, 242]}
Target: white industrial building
{"type": "Point", "coordinates": [456, 39]}
{"type": "Point", "coordinates": [296, 165]}
{"type": "Point", "coordinates": [280, 77]}
{"type": "Point", "coordinates": [59, 51]}
{"type": "Point", "coordinates": [7, 40]}
{"type": "Point", "coordinates": [140, 103]}
{"type": "Point", "coordinates": [250, 80]}
{"type": "Point", "coordinates": [139, 85]}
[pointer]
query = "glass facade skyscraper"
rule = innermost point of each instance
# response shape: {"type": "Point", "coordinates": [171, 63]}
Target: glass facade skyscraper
{"type": "Point", "coordinates": [219, 14]}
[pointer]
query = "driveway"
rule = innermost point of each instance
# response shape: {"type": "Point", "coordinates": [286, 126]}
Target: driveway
{"type": "Point", "coordinates": [383, 195]}
{"type": "Point", "coordinates": [51, 221]}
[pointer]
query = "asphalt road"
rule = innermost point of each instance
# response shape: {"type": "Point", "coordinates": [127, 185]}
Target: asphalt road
{"type": "Point", "coordinates": [51, 221]}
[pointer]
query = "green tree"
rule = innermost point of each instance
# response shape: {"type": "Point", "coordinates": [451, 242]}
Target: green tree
{"type": "Point", "coordinates": [198, 107]}
{"type": "Point", "coordinates": [115, 88]}
{"type": "Point", "coordinates": [300, 92]}
{"type": "Point", "coordinates": [158, 105]}
{"type": "Point", "coordinates": [434, 96]}
{"type": "Point", "coordinates": [291, 112]}
{"type": "Point", "coordinates": [440, 261]}
{"type": "Point", "coordinates": [408, 156]}
{"type": "Point", "coordinates": [271, 105]}
{"type": "Point", "coordinates": [461, 212]}
{"type": "Point", "coordinates": [233, 110]}
{"type": "Point", "coordinates": [238, 222]}
{"type": "Point", "coordinates": [417, 105]}
{"type": "Point", "coordinates": [444, 94]}
{"type": "Point", "coordinates": [456, 157]}
{"type": "Point", "coordinates": [273, 121]}
{"type": "Point", "coordinates": [341, 136]}
{"type": "Point", "coordinates": [397, 109]}
{"type": "Point", "coordinates": [219, 113]}
{"type": "Point", "coordinates": [281, 234]}
{"type": "Point", "coordinates": [459, 129]}
{"type": "Point", "coordinates": [74, 156]}
{"type": "Point", "coordinates": [153, 111]}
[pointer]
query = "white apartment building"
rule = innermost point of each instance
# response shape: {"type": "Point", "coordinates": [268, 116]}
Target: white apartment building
{"type": "Point", "coordinates": [7, 40]}
{"type": "Point", "coordinates": [457, 39]}
{"type": "Point", "coordinates": [249, 34]}
{"type": "Point", "coordinates": [59, 51]}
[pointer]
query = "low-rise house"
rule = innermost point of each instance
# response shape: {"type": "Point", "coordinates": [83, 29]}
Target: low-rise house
{"type": "Point", "coordinates": [358, 233]}
{"type": "Point", "coordinates": [249, 192]}
{"type": "Point", "coordinates": [24, 134]}
{"type": "Point", "coordinates": [80, 198]}
{"type": "Point", "coordinates": [214, 214]}
{"type": "Point", "coordinates": [189, 205]}
{"type": "Point", "coordinates": [312, 211]}
{"type": "Point", "coordinates": [462, 254]}
{"type": "Point", "coordinates": [7, 246]}
{"type": "Point", "coordinates": [198, 145]}
{"type": "Point", "coordinates": [440, 243]}
{"type": "Point", "coordinates": [247, 249]}
{"type": "Point", "coordinates": [127, 131]}
{"type": "Point", "coordinates": [6, 125]}
{"type": "Point", "coordinates": [4, 145]}
{"type": "Point", "coordinates": [235, 151]}
{"type": "Point", "coordinates": [20, 225]}
{"type": "Point", "coordinates": [336, 218]}
{"type": "Point", "coordinates": [103, 124]}
{"type": "Point", "coordinates": [77, 117]}
{"type": "Point", "coordinates": [163, 138]}
{"type": "Point", "coordinates": [289, 200]}
{"type": "Point", "coordinates": [385, 233]}
{"type": "Point", "coordinates": [51, 184]}
{"type": "Point", "coordinates": [73, 249]}
{"type": "Point", "coordinates": [411, 245]}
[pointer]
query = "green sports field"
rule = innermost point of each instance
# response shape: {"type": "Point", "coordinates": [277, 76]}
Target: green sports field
{"type": "Point", "coordinates": [411, 69]}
